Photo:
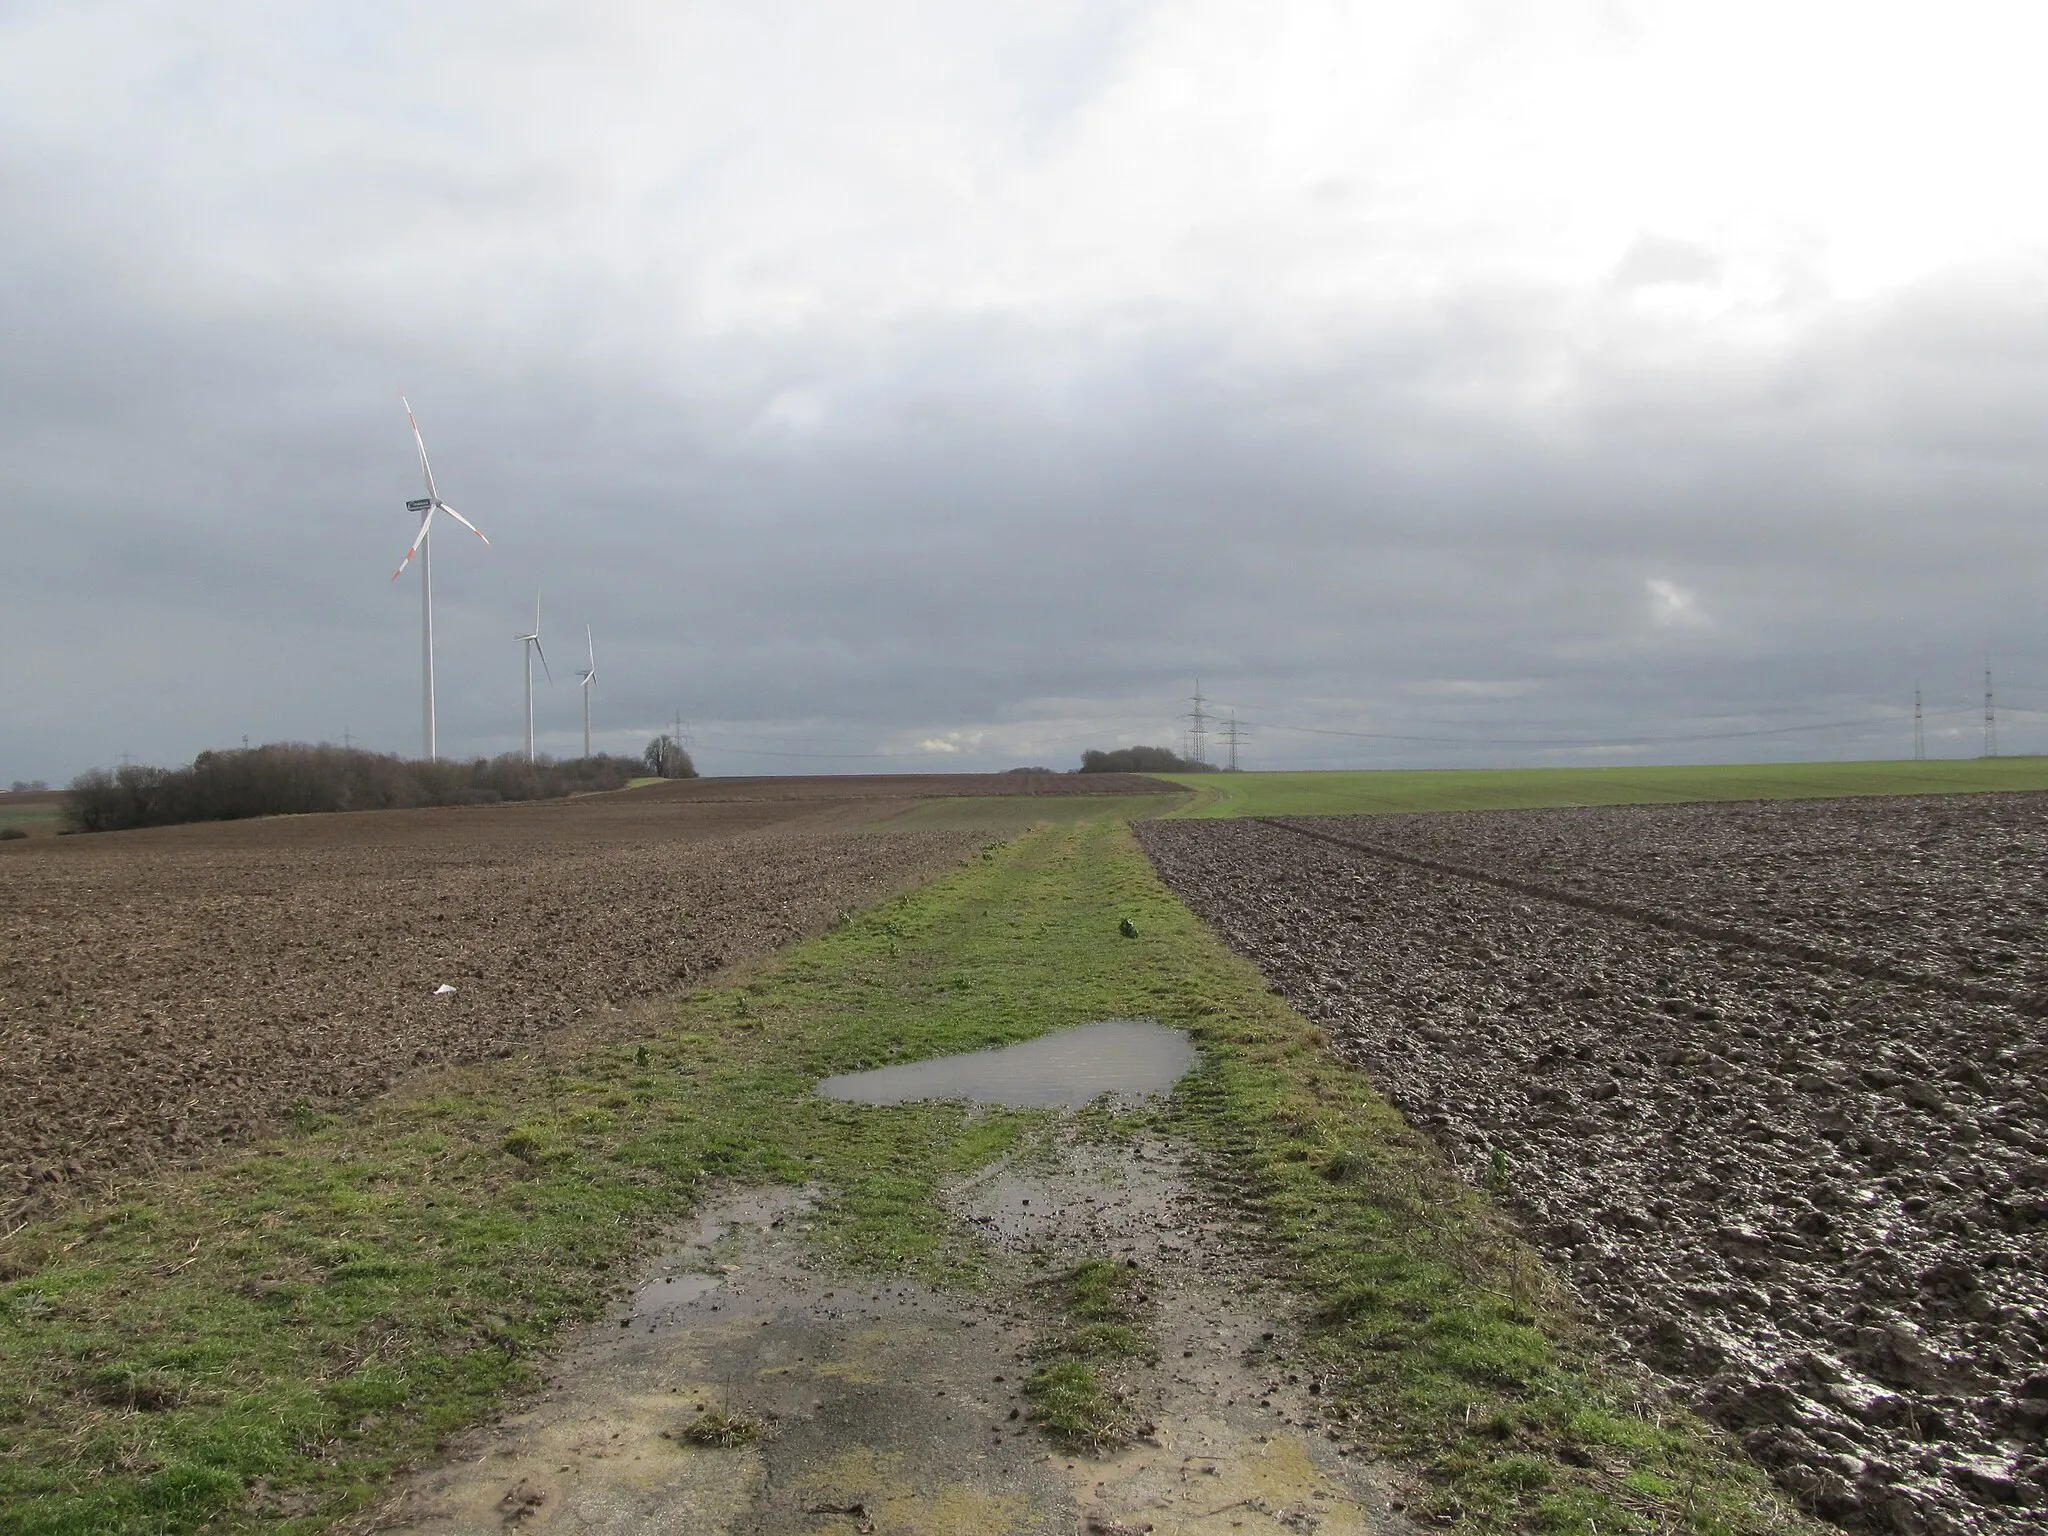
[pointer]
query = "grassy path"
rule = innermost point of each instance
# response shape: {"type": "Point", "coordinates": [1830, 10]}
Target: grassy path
{"type": "Point", "coordinates": [1378, 791]}
{"type": "Point", "coordinates": [261, 1346]}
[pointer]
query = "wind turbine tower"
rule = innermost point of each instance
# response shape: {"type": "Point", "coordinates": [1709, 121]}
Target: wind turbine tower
{"type": "Point", "coordinates": [427, 506]}
{"type": "Point", "coordinates": [587, 681]}
{"type": "Point", "coordinates": [532, 644]}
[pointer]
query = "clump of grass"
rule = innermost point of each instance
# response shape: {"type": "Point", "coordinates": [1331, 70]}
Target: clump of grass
{"type": "Point", "coordinates": [120, 1386]}
{"type": "Point", "coordinates": [1070, 1404]}
{"type": "Point", "coordinates": [523, 1143]}
{"type": "Point", "coordinates": [1496, 1172]}
{"type": "Point", "coordinates": [1345, 1166]}
{"type": "Point", "coordinates": [1103, 1291]}
{"type": "Point", "coordinates": [1110, 1341]}
{"type": "Point", "coordinates": [723, 1429]}
{"type": "Point", "coordinates": [1104, 1326]}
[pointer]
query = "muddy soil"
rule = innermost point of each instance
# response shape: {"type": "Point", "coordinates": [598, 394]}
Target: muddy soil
{"type": "Point", "coordinates": [1815, 1200]}
{"type": "Point", "coordinates": [891, 1408]}
{"type": "Point", "coordinates": [1946, 884]}
{"type": "Point", "coordinates": [167, 992]}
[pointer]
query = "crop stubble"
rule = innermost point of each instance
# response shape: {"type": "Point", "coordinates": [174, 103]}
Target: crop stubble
{"type": "Point", "coordinates": [1815, 1197]}
{"type": "Point", "coordinates": [165, 993]}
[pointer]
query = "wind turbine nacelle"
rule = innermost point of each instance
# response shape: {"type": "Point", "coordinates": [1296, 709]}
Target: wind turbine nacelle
{"type": "Point", "coordinates": [418, 506]}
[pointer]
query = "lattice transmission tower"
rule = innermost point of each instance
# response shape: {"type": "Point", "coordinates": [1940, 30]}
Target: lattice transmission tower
{"type": "Point", "coordinates": [1990, 717]}
{"type": "Point", "coordinates": [1198, 727]}
{"type": "Point", "coordinates": [1233, 733]}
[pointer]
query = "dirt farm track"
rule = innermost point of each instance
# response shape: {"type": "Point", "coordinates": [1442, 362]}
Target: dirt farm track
{"type": "Point", "coordinates": [165, 992]}
{"type": "Point", "coordinates": [1768, 1082]}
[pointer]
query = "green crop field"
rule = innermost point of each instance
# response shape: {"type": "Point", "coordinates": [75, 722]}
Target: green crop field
{"type": "Point", "coordinates": [33, 813]}
{"type": "Point", "coordinates": [1020, 813]}
{"type": "Point", "coordinates": [1381, 791]}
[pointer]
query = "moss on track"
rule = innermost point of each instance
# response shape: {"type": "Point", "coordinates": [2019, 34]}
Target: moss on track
{"type": "Point", "coordinates": [260, 1346]}
{"type": "Point", "coordinates": [1382, 791]}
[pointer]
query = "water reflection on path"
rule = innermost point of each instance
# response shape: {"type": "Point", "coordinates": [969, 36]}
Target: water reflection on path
{"type": "Point", "coordinates": [1068, 1068]}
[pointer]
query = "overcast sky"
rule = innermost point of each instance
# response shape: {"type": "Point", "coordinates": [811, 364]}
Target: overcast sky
{"type": "Point", "coordinates": [902, 386]}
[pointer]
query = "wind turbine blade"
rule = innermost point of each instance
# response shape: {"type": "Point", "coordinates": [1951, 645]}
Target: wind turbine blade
{"type": "Point", "coordinates": [593, 649]}
{"type": "Point", "coordinates": [425, 468]}
{"type": "Point", "coordinates": [420, 539]}
{"type": "Point", "coordinates": [472, 527]}
{"type": "Point", "coordinates": [543, 658]}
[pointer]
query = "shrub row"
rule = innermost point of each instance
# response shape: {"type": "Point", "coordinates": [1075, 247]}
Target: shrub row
{"type": "Point", "coordinates": [1141, 760]}
{"type": "Point", "coordinates": [291, 778]}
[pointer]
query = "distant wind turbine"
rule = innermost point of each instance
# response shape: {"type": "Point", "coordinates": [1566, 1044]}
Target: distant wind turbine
{"type": "Point", "coordinates": [533, 644]}
{"type": "Point", "coordinates": [427, 506]}
{"type": "Point", "coordinates": [587, 681]}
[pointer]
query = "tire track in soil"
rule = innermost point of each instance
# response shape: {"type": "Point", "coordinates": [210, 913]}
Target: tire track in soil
{"type": "Point", "coordinates": [1948, 884]}
{"type": "Point", "coordinates": [1723, 933]}
{"type": "Point", "coordinates": [1814, 1199]}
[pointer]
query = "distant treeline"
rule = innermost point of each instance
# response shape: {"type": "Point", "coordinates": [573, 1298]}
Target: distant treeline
{"type": "Point", "coordinates": [1141, 760]}
{"type": "Point", "coordinates": [290, 778]}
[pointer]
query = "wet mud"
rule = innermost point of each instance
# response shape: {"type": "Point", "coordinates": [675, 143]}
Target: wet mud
{"type": "Point", "coordinates": [887, 1406]}
{"type": "Point", "coordinates": [1947, 887]}
{"type": "Point", "coordinates": [1816, 1200]}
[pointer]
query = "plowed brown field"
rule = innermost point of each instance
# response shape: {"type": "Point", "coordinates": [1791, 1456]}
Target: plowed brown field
{"type": "Point", "coordinates": [1766, 1082]}
{"type": "Point", "coordinates": [1946, 886]}
{"type": "Point", "coordinates": [168, 991]}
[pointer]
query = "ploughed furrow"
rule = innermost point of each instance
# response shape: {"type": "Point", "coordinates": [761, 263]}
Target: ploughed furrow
{"type": "Point", "coordinates": [1944, 885]}
{"type": "Point", "coordinates": [164, 995]}
{"type": "Point", "coordinates": [1850, 960]}
{"type": "Point", "coordinates": [1818, 1201]}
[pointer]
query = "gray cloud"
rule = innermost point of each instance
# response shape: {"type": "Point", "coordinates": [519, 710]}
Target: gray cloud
{"type": "Point", "coordinates": [959, 379]}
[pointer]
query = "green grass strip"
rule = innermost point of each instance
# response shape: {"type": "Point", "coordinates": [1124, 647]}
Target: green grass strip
{"type": "Point", "coordinates": [262, 1346]}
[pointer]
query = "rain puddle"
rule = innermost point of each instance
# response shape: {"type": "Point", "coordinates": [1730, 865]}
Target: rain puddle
{"type": "Point", "coordinates": [1067, 1069]}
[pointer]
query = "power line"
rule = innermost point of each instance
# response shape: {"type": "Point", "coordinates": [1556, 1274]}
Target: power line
{"type": "Point", "coordinates": [1622, 741]}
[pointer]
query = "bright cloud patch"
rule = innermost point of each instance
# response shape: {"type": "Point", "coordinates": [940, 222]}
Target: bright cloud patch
{"type": "Point", "coordinates": [1672, 607]}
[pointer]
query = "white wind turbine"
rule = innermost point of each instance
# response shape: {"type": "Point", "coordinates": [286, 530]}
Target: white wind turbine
{"type": "Point", "coordinates": [532, 642]}
{"type": "Point", "coordinates": [427, 506]}
{"type": "Point", "coordinates": [587, 680]}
